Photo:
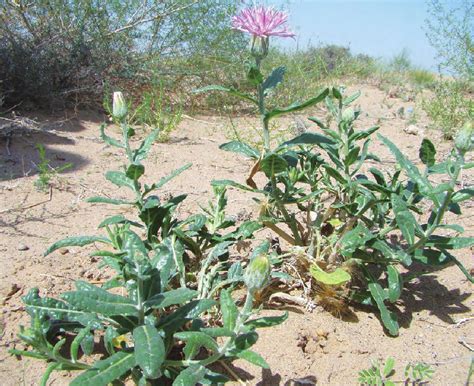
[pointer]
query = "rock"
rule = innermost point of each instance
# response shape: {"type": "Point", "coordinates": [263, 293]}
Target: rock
{"type": "Point", "coordinates": [63, 251]}
{"type": "Point", "coordinates": [414, 130]}
{"type": "Point", "coordinates": [322, 333]}
{"type": "Point", "coordinates": [23, 247]}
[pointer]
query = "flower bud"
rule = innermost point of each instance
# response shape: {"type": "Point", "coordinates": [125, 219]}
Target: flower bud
{"type": "Point", "coordinates": [348, 115]}
{"type": "Point", "coordinates": [464, 141]}
{"type": "Point", "coordinates": [257, 273]}
{"type": "Point", "coordinates": [119, 106]}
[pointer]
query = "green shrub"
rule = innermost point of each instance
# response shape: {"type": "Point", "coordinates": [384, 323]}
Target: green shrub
{"type": "Point", "coordinates": [164, 324]}
{"type": "Point", "coordinates": [55, 52]}
{"type": "Point", "coordinates": [450, 107]}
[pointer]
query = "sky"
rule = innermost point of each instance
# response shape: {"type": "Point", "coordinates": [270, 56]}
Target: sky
{"type": "Point", "coordinates": [380, 28]}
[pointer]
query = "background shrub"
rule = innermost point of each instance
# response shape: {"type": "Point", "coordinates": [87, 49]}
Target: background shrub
{"type": "Point", "coordinates": [56, 51]}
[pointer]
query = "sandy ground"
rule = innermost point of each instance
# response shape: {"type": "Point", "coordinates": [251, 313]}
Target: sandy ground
{"type": "Point", "coordinates": [314, 345]}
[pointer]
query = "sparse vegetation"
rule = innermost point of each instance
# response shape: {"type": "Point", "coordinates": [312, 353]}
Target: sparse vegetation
{"type": "Point", "coordinates": [46, 172]}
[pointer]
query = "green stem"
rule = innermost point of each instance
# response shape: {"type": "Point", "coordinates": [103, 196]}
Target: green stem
{"type": "Point", "coordinates": [262, 110]}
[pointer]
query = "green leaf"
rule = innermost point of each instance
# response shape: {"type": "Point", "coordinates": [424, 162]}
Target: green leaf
{"type": "Point", "coordinates": [274, 79]}
{"type": "Point", "coordinates": [190, 376]}
{"type": "Point", "coordinates": [172, 175]}
{"type": "Point", "coordinates": [109, 140]}
{"type": "Point", "coordinates": [392, 252]}
{"type": "Point", "coordinates": [412, 171]}
{"type": "Point", "coordinates": [255, 76]}
{"type": "Point", "coordinates": [118, 219]}
{"type": "Point", "coordinates": [307, 138]}
{"type": "Point", "coordinates": [142, 152]}
{"type": "Point", "coordinates": [229, 310]}
{"type": "Point", "coordinates": [78, 241]}
{"type": "Point", "coordinates": [234, 185]}
{"type": "Point", "coordinates": [358, 135]}
{"type": "Point", "coordinates": [427, 152]}
{"type": "Point", "coordinates": [56, 309]}
{"type": "Point", "coordinates": [273, 164]}
{"type": "Point", "coordinates": [228, 90]}
{"type": "Point", "coordinates": [184, 314]}
{"type": "Point", "coordinates": [135, 171]}
{"type": "Point", "coordinates": [395, 284]}
{"type": "Point", "coordinates": [149, 350]}
{"type": "Point", "coordinates": [389, 319]}
{"type": "Point", "coordinates": [338, 277]}
{"type": "Point", "coordinates": [404, 218]}
{"type": "Point", "coordinates": [348, 100]}
{"type": "Point", "coordinates": [107, 200]}
{"type": "Point", "coordinates": [354, 239]}
{"type": "Point", "coordinates": [166, 299]}
{"type": "Point", "coordinates": [120, 179]}
{"type": "Point", "coordinates": [106, 371]}
{"type": "Point", "coordinates": [334, 174]}
{"type": "Point", "coordinates": [95, 299]}
{"type": "Point", "coordinates": [254, 358]}
{"type": "Point", "coordinates": [267, 321]}
{"type": "Point", "coordinates": [462, 195]}
{"type": "Point", "coordinates": [194, 341]}
{"type": "Point", "coordinates": [296, 106]}
{"type": "Point", "coordinates": [352, 156]}
{"type": "Point", "coordinates": [389, 365]}
{"type": "Point", "coordinates": [443, 242]}
{"type": "Point", "coordinates": [240, 147]}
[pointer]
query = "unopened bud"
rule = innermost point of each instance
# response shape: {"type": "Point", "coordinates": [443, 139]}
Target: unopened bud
{"type": "Point", "coordinates": [464, 141]}
{"type": "Point", "coordinates": [257, 274]}
{"type": "Point", "coordinates": [348, 115]}
{"type": "Point", "coordinates": [119, 106]}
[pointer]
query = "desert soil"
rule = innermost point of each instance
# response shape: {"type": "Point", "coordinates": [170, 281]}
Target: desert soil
{"type": "Point", "coordinates": [436, 317]}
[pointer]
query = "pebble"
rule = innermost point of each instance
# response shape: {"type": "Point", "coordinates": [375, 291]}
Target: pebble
{"type": "Point", "coordinates": [414, 130]}
{"type": "Point", "coordinates": [63, 251]}
{"type": "Point", "coordinates": [23, 247]}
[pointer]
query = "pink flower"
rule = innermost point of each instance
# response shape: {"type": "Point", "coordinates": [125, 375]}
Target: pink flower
{"type": "Point", "coordinates": [262, 22]}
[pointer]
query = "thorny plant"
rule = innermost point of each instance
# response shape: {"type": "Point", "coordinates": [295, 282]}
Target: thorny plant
{"type": "Point", "coordinates": [156, 321]}
{"type": "Point", "coordinates": [343, 218]}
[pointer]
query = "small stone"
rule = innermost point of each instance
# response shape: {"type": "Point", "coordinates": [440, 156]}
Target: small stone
{"type": "Point", "coordinates": [322, 333]}
{"type": "Point", "coordinates": [23, 247]}
{"type": "Point", "coordinates": [63, 251]}
{"type": "Point", "coordinates": [414, 130]}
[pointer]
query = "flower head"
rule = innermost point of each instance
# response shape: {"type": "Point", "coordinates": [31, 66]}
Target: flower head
{"type": "Point", "coordinates": [119, 106]}
{"type": "Point", "coordinates": [257, 274]}
{"type": "Point", "coordinates": [262, 22]}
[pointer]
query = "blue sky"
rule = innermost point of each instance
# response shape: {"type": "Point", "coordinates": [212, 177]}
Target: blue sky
{"type": "Point", "coordinates": [381, 28]}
